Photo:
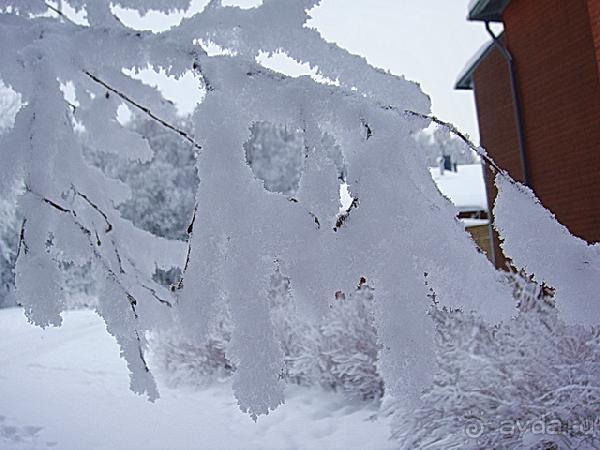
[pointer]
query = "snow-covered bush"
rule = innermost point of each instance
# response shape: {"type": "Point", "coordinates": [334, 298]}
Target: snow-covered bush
{"type": "Point", "coordinates": [241, 233]}
{"type": "Point", "coordinates": [183, 362]}
{"type": "Point", "coordinates": [298, 338]}
{"type": "Point", "coordinates": [339, 353]}
{"type": "Point", "coordinates": [532, 382]}
{"type": "Point", "coordinates": [348, 346]}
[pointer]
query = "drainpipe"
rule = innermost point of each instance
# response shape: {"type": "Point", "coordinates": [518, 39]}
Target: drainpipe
{"type": "Point", "coordinates": [516, 100]}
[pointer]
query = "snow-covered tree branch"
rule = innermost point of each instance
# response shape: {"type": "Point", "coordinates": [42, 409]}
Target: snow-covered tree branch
{"type": "Point", "coordinates": [250, 223]}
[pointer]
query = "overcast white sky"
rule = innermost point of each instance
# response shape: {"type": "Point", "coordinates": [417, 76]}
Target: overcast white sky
{"type": "Point", "coordinates": [428, 41]}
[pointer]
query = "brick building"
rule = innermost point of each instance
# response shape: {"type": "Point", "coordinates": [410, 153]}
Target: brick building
{"type": "Point", "coordinates": [537, 91]}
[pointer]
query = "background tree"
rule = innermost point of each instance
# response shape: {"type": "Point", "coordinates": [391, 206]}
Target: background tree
{"type": "Point", "coordinates": [442, 143]}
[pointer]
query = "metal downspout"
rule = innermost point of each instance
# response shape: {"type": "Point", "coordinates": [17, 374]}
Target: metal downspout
{"type": "Point", "coordinates": [517, 102]}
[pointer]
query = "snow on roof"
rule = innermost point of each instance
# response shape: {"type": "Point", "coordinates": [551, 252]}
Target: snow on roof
{"type": "Point", "coordinates": [465, 187]}
{"type": "Point", "coordinates": [474, 222]}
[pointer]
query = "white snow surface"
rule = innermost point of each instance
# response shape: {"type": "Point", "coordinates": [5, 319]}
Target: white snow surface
{"type": "Point", "coordinates": [67, 388]}
{"type": "Point", "coordinates": [465, 188]}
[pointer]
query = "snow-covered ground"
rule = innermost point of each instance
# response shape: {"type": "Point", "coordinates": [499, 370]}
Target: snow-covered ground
{"type": "Point", "coordinates": [67, 388]}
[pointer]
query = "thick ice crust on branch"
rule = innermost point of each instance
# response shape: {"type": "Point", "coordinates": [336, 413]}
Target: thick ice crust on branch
{"type": "Point", "coordinates": [278, 26]}
{"type": "Point", "coordinates": [376, 241]}
{"type": "Point", "coordinates": [535, 241]}
{"type": "Point", "coordinates": [398, 232]}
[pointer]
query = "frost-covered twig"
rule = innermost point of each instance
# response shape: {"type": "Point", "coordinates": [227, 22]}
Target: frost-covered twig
{"type": "Point", "coordinates": [341, 220]}
{"type": "Point", "coordinates": [60, 13]}
{"type": "Point", "coordinates": [144, 109]}
{"type": "Point", "coordinates": [155, 295]}
{"type": "Point", "coordinates": [109, 226]}
{"type": "Point", "coordinates": [452, 128]}
{"type": "Point", "coordinates": [88, 234]}
{"type": "Point", "coordinates": [189, 231]}
{"type": "Point", "coordinates": [22, 243]}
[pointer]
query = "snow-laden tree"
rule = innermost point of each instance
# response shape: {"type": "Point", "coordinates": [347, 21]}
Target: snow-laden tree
{"type": "Point", "coordinates": [241, 233]}
{"type": "Point", "coordinates": [9, 238]}
{"type": "Point", "coordinates": [9, 105]}
{"type": "Point", "coordinates": [9, 228]}
{"type": "Point", "coordinates": [441, 143]}
{"type": "Point", "coordinates": [276, 156]}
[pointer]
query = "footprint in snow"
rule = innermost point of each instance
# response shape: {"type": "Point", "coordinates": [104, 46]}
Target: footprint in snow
{"type": "Point", "coordinates": [17, 437]}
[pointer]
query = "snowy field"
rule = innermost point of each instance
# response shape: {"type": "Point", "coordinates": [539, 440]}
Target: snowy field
{"type": "Point", "coordinates": [68, 388]}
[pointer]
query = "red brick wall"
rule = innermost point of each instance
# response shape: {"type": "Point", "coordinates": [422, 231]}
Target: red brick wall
{"type": "Point", "coordinates": [555, 46]}
{"type": "Point", "coordinates": [594, 11]}
{"type": "Point", "coordinates": [497, 126]}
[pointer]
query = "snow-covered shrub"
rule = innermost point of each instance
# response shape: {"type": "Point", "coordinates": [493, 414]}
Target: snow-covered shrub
{"type": "Point", "coordinates": [532, 382]}
{"type": "Point", "coordinates": [183, 362]}
{"type": "Point", "coordinates": [298, 338]}
{"type": "Point", "coordinates": [338, 353]}
{"type": "Point", "coordinates": [348, 346]}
